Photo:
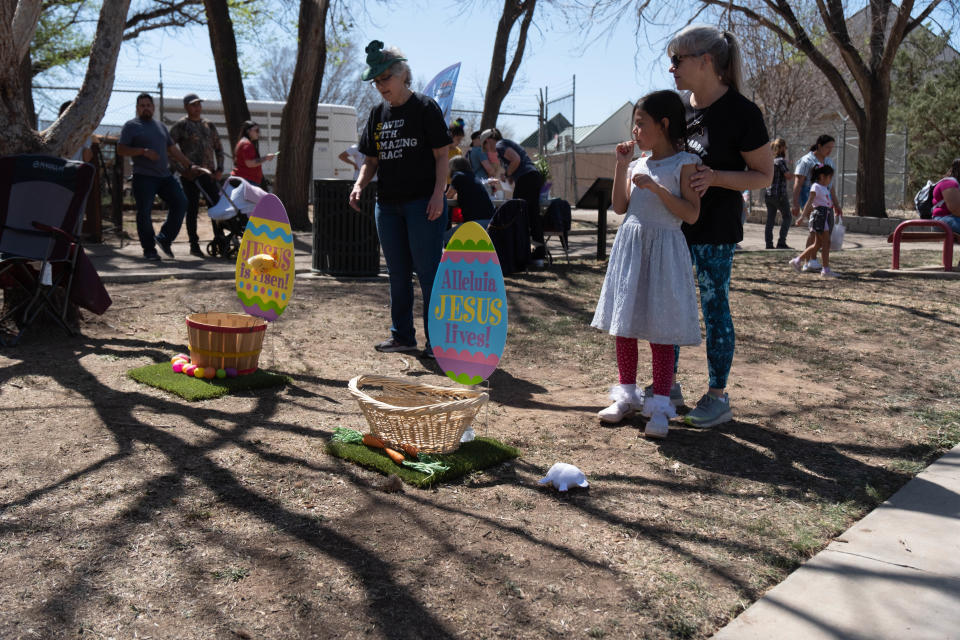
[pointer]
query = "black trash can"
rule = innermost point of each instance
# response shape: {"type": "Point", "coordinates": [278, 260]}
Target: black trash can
{"type": "Point", "coordinates": [345, 240]}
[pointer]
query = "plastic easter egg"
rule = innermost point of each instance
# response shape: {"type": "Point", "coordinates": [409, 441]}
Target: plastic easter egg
{"type": "Point", "coordinates": [231, 372]}
{"type": "Point", "coordinates": [180, 356]}
{"type": "Point", "coordinates": [189, 369]}
{"type": "Point", "coordinates": [266, 290]}
{"type": "Point", "coordinates": [221, 373]}
{"type": "Point", "coordinates": [177, 366]}
{"type": "Point", "coordinates": [468, 307]}
{"type": "Point", "coordinates": [209, 372]}
{"type": "Point", "coordinates": [198, 372]}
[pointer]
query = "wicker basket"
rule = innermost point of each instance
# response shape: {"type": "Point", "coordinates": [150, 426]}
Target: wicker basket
{"type": "Point", "coordinates": [226, 340]}
{"type": "Point", "coordinates": [431, 418]}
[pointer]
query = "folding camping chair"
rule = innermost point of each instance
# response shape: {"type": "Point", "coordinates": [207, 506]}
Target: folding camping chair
{"type": "Point", "coordinates": [556, 222]}
{"type": "Point", "coordinates": [42, 200]}
{"type": "Point", "coordinates": [510, 233]}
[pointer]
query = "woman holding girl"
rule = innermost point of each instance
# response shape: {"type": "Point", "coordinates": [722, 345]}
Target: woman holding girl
{"type": "Point", "coordinates": [819, 210]}
{"type": "Point", "coordinates": [818, 154]}
{"type": "Point", "coordinates": [246, 156]}
{"type": "Point", "coordinates": [727, 132]}
{"type": "Point", "coordinates": [648, 291]}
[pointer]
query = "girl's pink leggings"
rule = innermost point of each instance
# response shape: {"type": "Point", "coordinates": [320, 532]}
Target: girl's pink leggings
{"type": "Point", "coordinates": [662, 356]}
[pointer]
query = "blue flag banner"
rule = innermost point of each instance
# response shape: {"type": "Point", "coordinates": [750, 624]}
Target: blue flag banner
{"type": "Point", "coordinates": [441, 88]}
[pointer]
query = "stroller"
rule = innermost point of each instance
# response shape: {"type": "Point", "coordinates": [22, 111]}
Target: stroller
{"type": "Point", "coordinates": [229, 215]}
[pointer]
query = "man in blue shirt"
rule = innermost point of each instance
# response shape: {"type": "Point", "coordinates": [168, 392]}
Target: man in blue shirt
{"type": "Point", "coordinates": [148, 142]}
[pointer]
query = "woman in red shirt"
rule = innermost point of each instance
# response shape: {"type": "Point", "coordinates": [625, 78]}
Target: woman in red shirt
{"type": "Point", "coordinates": [946, 198]}
{"type": "Point", "coordinates": [247, 163]}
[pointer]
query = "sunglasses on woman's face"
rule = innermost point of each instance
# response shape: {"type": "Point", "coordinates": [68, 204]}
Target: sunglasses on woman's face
{"type": "Point", "coordinates": [383, 79]}
{"type": "Point", "coordinates": [677, 58]}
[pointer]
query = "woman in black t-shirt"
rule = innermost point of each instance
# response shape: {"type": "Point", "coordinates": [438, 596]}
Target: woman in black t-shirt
{"type": "Point", "coordinates": [405, 142]}
{"type": "Point", "coordinates": [727, 131]}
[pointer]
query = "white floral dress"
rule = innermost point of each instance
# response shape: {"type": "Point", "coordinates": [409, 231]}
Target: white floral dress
{"type": "Point", "coordinates": [648, 292]}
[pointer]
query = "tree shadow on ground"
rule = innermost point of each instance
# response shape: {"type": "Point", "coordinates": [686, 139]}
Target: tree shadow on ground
{"type": "Point", "coordinates": [191, 462]}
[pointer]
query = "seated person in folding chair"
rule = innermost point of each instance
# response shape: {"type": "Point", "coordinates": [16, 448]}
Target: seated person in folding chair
{"type": "Point", "coordinates": [527, 181]}
{"type": "Point", "coordinates": [471, 195]}
{"type": "Point", "coordinates": [148, 142]}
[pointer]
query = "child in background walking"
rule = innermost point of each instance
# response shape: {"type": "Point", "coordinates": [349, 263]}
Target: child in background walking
{"type": "Point", "coordinates": [819, 209]}
{"type": "Point", "coordinates": [648, 292]}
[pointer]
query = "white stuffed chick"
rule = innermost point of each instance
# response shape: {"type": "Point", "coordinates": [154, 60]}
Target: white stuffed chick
{"type": "Point", "coordinates": [563, 476]}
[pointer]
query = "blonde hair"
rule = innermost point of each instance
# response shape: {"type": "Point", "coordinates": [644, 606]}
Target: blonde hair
{"type": "Point", "coordinates": [779, 147]}
{"type": "Point", "coordinates": [400, 66]}
{"type": "Point", "coordinates": [719, 43]}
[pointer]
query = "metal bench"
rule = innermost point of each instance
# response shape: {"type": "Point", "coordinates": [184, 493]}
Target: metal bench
{"type": "Point", "coordinates": [945, 235]}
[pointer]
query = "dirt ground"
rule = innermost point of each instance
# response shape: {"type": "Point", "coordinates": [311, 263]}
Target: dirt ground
{"type": "Point", "coordinates": [128, 513]}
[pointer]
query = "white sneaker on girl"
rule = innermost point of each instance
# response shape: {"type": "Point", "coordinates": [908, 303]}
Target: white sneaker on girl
{"type": "Point", "coordinates": [658, 412]}
{"type": "Point", "coordinates": [625, 403]}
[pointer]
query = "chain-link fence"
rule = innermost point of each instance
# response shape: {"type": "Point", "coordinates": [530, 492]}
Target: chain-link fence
{"type": "Point", "coordinates": [896, 174]}
{"type": "Point", "coordinates": [559, 143]}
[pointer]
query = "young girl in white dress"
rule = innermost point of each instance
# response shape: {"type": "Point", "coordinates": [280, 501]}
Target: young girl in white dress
{"type": "Point", "coordinates": [648, 292]}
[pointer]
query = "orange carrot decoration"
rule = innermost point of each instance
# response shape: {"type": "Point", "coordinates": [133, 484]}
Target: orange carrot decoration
{"type": "Point", "coordinates": [373, 441]}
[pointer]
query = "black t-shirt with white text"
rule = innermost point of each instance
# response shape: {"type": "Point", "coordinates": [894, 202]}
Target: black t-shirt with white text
{"type": "Point", "coordinates": [719, 134]}
{"type": "Point", "coordinates": [403, 139]}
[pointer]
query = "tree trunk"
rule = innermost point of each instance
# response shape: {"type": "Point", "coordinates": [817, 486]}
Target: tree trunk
{"type": "Point", "coordinates": [26, 84]}
{"type": "Point", "coordinates": [223, 44]}
{"type": "Point", "coordinates": [498, 84]}
{"type": "Point", "coordinates": [16, 133]}
{"type": "Point", "coordinates": [298, 125]}
{"type": "Point", "coordinates": [871, 192]}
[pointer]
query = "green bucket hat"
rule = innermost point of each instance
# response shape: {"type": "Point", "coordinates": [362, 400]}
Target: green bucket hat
{"type": "Point", "coordinates": [378, 61]}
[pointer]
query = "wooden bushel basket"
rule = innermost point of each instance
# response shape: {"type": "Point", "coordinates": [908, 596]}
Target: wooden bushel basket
{"type": "Point", "coordinates": [225, 340]}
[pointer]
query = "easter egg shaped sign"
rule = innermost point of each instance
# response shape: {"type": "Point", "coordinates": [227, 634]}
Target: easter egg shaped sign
{"type": "Point", "coordinates": [468, 307]}
{"type": "Point", "coordinates": [265, 285]}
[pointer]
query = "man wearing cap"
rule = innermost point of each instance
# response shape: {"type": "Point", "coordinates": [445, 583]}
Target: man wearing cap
{"type": "Point", "coordinates": [200, 142]}
{"type": "Point", "coordinates": [148, 142]}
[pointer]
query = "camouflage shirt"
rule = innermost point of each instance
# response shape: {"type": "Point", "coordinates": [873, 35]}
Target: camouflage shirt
{"type": "Point", "coordinates": [199, 141]}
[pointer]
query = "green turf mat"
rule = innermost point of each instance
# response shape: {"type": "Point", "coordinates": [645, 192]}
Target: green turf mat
{"type": "Point", "coordinates": [477, 454]}
{"type": "Point", "coordinates": [162, 376]}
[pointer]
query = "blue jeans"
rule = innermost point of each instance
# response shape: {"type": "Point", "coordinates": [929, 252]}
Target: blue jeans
{"type": "Point", "coordinates": [169, 190]}
{"type": "Point", "coordinates": [952, 221]}
{"type": "Point", "coordinates": [410, 243]}
{"type": "Point", "coordinates": [713, 263]}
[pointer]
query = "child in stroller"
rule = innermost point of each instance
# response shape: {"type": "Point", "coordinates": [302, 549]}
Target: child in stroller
{"type": "Point", "coordinates": [229, 215]}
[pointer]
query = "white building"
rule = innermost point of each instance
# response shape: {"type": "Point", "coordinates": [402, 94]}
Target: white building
{"type": "Point", "coordinates": [336, 130]}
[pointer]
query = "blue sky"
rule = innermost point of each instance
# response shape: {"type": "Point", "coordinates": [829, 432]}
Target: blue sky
{"type": "Point", "coordinates": [607, 73]}
{"type": "Point", "coordinates": [613, 68]}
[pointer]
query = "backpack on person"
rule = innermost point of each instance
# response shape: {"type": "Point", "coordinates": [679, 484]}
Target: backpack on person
{"type": "Point", "coordinates": [923, 201]}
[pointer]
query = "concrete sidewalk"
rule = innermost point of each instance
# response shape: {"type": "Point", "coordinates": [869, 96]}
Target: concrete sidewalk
{"type": "Point", "coordinates": [893, 575]}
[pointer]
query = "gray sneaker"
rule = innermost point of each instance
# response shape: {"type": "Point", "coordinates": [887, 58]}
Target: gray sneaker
{"type": "Point", "coordinates": [392, 345]}
{"type": "Point", "coordinates": [709, 412]}
{"type": "Point", "coordinates": [676, 394]}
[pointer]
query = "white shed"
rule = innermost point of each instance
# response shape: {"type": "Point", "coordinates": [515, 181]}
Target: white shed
{"type": "Point", "coordinates": [336, 130]}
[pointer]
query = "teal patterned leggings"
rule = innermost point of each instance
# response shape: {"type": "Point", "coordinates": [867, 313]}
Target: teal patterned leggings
{"type": "Point", "coordinates": [713, 263]}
